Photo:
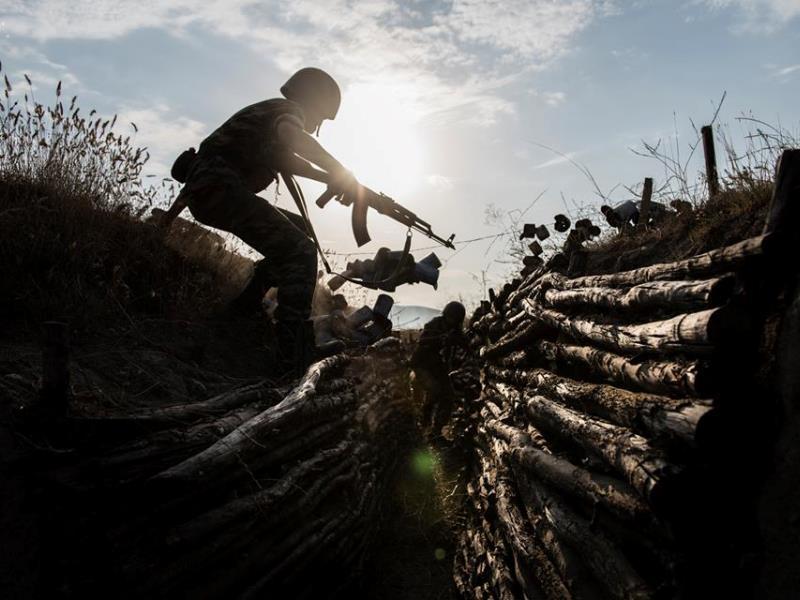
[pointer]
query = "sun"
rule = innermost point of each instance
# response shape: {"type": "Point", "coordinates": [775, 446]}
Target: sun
{"type": "Point", "coordinates": [377, 135]}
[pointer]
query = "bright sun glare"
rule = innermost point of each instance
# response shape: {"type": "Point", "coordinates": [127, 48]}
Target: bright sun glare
{"type": "Point", "coordinates": [378, 137]}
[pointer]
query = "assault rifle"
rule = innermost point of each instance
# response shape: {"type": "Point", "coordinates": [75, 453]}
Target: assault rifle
{"type": "Point", "coordinates": [364, 198]}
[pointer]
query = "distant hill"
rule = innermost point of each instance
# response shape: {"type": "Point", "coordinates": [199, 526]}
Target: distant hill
{"type": "Point", "coordinates": [406, 316]}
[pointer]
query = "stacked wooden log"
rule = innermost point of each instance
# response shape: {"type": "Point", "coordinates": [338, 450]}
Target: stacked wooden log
{"type": "Point", "coordinates": [263, 491]}
{"type": "Point", "coordinates": [621, 430]}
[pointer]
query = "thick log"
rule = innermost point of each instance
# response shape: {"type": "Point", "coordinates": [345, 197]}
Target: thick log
{"type": "Point", "coordinates": [648, 414]}
{"type": "Point", "coordinates": [514, 340]}
{"type": "Point", "coordinates": [629, 454]}
{"type": "Point", "coordinates": [659, 377]}
{"type": "Point", "coordinates": [488, 542]}
{"type": "Point", "coordinates": [722, 260]}
{"type": "Point", "coordinates": [515, 360]}
{"type": "Point", "coordinates": [674, 296]}
{"type": "Point", "coordinates": [254, 437]}
{"type": "Point", "coordinates": [300, 489]}
{"type": "Point", "coordinates": [260, 392]}
{"type": "Point", "coordinates": [697, 333]}
{"type": "Point", "coordinates": [113, 428]}
{"type": "Point", "coordinates": [486, 323]}
{"type": "Point", "coordinates": [590, 488]}
{"type": "Point", "coordinates": [569, 568]}
{"type": "Point", "coordinates": [536, 573]}
{"type": "Point", "coordinates": [161, 450]}
{"type": "Point", "coordinates": [513, 321]}
{"type": "Point", "coordinates": [267, 518]}
{"type": "Point", "coordinates": [602, 557]}
{"type": "Point", "coordinates": [238, 542]}
{"type": "Point", "coordinates": [524, 290]}
{"type": "Point", "coordinates": [307, 547]}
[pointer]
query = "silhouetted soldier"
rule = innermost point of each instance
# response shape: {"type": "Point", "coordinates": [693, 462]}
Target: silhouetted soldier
{"type": "Point", "coordinates": [432, 363]}
{"type": "Point", "coordinates": [241, 158]}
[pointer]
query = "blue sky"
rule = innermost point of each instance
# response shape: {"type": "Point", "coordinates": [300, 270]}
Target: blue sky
{"type": "Point", "coordinates": [446, 104]}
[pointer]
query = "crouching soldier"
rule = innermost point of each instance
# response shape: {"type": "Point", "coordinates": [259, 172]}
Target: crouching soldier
{"type": "Point", "coordinates": [241, 158]}
{"type": "Point", "coordinates": [432, 362]}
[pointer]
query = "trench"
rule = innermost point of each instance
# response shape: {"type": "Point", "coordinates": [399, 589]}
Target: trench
{"type": "Point", "coordinates": [323, 487]}
{"type": "Point", "coordinates": [613, 436]}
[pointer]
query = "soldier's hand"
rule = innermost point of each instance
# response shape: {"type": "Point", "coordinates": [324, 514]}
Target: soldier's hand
{"type": "Point", "coordinates": [343, 182]}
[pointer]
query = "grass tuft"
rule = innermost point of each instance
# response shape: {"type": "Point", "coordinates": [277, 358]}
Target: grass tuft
{"type": "Point", "coordinates": [72, 242]}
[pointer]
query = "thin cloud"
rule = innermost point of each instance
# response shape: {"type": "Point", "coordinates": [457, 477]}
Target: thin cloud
{"type": "Point", "coordinates": [553, 99]}
{"type": "Point", "coordinates": [524, 29]}
{"type": "Point", "coordinates": [164, 133]}
{"type": "Point", "coordinates": [787, 70]}
{"type": "Point", "coordinates": [453, 52]}
{"type": "Point", "coordinates": [440, 182]}
{"type": "Point", "coordinates": [758, 16]}
{"type": "Point", "coordinates": [558, 160]}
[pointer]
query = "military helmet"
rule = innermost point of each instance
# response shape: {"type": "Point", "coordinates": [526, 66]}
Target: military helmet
{"type": "Point", "coordinates": [314, 88]}
{"type": "Point", "coordinates": [454, 313]}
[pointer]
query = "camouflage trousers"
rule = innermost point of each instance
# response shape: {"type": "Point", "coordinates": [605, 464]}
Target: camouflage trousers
{"type": "Point", "coordinates": [435, 398]}
{"type": "Point", "coordinates": [217, 197]}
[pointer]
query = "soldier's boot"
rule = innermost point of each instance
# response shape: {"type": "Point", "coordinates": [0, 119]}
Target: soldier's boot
{"type": "Point", "coordinates": [250, 301]}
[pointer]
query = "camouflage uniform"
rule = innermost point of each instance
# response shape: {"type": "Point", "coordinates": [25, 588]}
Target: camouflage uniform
{"type": "Point", "coordinates": [234, 163]}
{"type": "Point", "coordinates": [431, 367]}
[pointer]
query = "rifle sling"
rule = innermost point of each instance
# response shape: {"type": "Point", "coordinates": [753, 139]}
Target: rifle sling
{"type": "Point", "coordinates": [299, 200]}
{"type": "Point", "coordinates": [297, 195]}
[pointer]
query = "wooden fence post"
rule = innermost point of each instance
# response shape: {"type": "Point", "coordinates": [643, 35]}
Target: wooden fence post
{"type": "Point", "coordinates": [647, 196]}
{"type": "Point", "coordinates": [711, 160]}
{"type": "Point", "coordinates": [55, 367]}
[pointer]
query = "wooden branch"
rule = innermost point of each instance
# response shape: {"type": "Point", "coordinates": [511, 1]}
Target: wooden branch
{"type": "Point", "coordinates": [707, 133]}
{"type": "Point", "coordinates": [154, 453]}
{"type": "Point", "coordinates": [647, 196]}
{"type": "Point", "coordinates": [536, 573]}
{"type": "Point", "coordinates": [485, 323]}
{"type": "Point", "coordinates": [648, 414]}
{"type": "Point", "coordinates": [629, 454]}
{"type": "Point", "coordinates": [251, 441]}
{"type": "Point", "coordinates": [603, 558]}
{"type": "Point", "coordinates": [570, 570]}
{"type": "Point", "coordinates": [514, 340]}
{"type": "Point", "coordinates": [659, 377]}
{"type": "Point", "coordinates": [722, 260]}
{"type": "Point", "coordinates": [488, 542]}
{"type": "Point", "coordinates": [590, 488]}
{"type": "Point", "coordinates": [512, 321]}
{"type": "Point", "coordinates": [697, 333]}
{"type": "Point", "coordinates": [517, 359]}
{"type": "Point", "coordinates": [675, 296]}
{"type": "Point", "coordinates": [291, 493]}
{"type": "Point", "coordinates": [263, 393]}
{"type": "Point", "coordinates": [290, 566]}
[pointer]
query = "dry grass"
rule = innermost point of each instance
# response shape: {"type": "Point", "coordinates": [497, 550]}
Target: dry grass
{"type": "Point", "coordinates": [72, 245]}
{"type": "Point", "coordinates": [737, 212]}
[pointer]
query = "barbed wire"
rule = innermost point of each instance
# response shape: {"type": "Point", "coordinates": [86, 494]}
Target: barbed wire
{"type": "Point", "coordinates": [435, 246]}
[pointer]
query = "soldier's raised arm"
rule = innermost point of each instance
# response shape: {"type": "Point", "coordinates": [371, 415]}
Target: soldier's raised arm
{"type": "Point", "coordinates": [306, 151]}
